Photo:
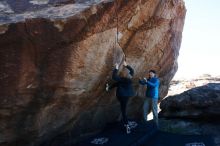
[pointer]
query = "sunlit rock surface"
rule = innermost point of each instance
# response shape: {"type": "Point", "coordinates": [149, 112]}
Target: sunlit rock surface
{"type": "Point", "coordinates": [180, 85]}
{"type": "Point", "coordinates": [56, 56]}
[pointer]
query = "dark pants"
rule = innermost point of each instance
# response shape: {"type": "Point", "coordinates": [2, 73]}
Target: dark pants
{"type": "Point", "coordinates": [123, 102]}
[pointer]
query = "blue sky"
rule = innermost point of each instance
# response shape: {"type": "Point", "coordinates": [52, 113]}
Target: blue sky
{"type": "Point", "coordinates": [200, 49]}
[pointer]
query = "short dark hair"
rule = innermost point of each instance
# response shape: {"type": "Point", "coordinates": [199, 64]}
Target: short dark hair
{"type": "Point", "coordinates": [153, 71]}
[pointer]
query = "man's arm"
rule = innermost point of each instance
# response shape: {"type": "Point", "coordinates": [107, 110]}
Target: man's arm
{"type": "Point", "coordinates": [131, 70]}
{"type": "Point", "coordinates": [142, 82]}
{"type": "Point", "coordinates": [155, 84]}
{"type": "Point", "coordinates": [115, 73]}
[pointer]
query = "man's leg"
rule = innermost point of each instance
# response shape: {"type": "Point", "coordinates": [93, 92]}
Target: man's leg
{"type": "Point", "coordinates": [146, 108]}
{"type": "Point", "coordinates": [155, 109]}
{"type": "Point", "coordinates": [123, 102]}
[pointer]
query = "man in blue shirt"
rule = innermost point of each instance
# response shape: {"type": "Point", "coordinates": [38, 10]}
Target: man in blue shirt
{"type": "Point", "coordinates": [152, 94]}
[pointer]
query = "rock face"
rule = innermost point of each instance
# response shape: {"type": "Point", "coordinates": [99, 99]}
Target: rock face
{"type": "Point", "coordinates": [56, 56]}
{"type": "Point", "coordinates": [197, 103]}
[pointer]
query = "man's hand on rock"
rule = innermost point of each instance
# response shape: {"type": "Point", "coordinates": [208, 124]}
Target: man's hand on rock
{"type": "Point", "coordinates": [125, 63]}
{"type": "Point", "coordinates": [116, 66]}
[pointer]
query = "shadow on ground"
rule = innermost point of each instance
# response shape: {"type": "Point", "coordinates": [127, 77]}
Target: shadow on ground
{"type": "Point", "coordinates": [142, 134]}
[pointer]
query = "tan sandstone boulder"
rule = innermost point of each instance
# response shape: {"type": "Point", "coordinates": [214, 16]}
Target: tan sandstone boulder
{"type": "Point", "coordinates": [57, 55]}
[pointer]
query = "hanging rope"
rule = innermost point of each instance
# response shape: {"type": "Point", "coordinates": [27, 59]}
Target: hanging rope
{"type": "Point", "coordinates": [116, 14]}
{"type": "Point", "coordinates": [118, 54]}
{"type": "Point", "coordinates": [116, 21]}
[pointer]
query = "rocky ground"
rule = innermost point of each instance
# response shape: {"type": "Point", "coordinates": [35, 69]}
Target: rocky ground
{"type": "Point", "coordinates": [191, 127]}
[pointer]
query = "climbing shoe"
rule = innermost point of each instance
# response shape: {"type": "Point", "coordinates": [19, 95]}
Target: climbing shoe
{"type": "Point", "coordinates": [128, 129]}
{"type": "Point", "coordinates": [107, 87]}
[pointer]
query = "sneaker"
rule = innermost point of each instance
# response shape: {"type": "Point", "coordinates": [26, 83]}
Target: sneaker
{"type": "Point", "coordinates": [128, 129]}
{"type": "Point", "coordinates": [107, 87]}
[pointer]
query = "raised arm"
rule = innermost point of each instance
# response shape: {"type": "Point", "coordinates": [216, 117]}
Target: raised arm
{"type": "Point", "coordinates": [131, 70]}
{"type": "Point", "coordinates": [115, 73]}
